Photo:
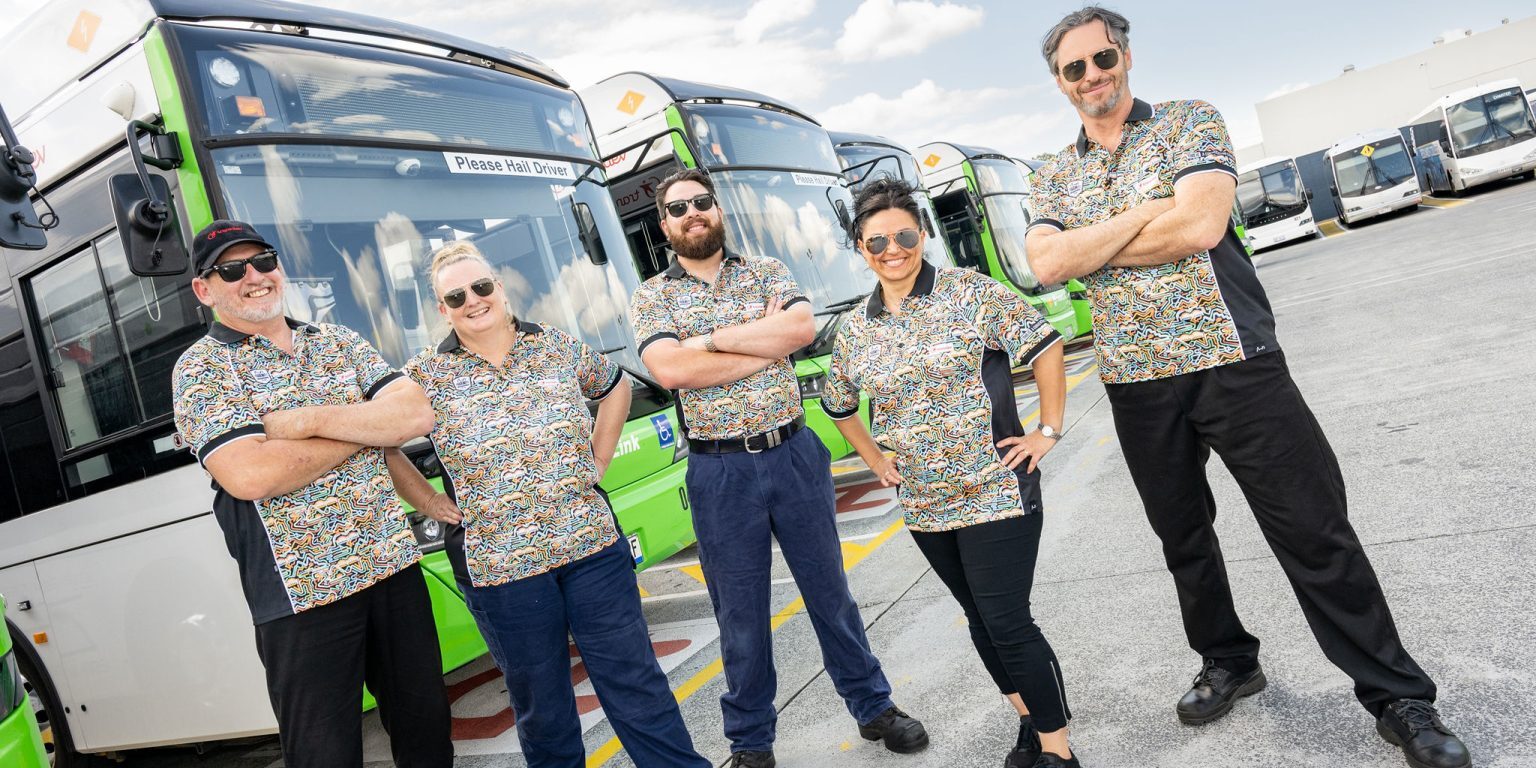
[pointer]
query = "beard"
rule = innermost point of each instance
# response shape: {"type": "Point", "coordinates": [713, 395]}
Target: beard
{"type": "Point", "coordinates": [701, 246]}
{"type": "Point", "coordinates": [1108, 105]}
{"type": "Point", "coordinates": [253, 313]}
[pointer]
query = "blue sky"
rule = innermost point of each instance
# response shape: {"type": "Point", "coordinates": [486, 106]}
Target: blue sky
{"type": "Point", "coordinates": [969, 72]}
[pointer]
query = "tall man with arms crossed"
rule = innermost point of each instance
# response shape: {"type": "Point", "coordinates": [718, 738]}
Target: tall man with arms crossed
{"type": "Point", "coordinates": [719, 327]}
{"type": "Point", "coordinates": [291, 420]}
{"type": "Point", "coordinates": [1186, 342]}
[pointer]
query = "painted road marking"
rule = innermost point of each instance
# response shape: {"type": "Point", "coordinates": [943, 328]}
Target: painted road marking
{"type": "Point", "coordinates": [853, 554]}
{"type": "Point", "coordinates": [1440, 202]}
{"type": "Point", "coordinates": [1357, 286]}
{"type": "Point", "coordinates": [1332, 228]}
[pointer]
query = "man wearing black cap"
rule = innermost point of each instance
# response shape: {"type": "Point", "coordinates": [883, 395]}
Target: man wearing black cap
{"type": "Point", "coordinates": [292, 421]}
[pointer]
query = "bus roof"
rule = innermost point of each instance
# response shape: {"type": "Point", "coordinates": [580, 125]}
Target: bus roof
{"type": "Point", "coordinates": [68, 39]}
{"type": "Point", "coordinates": [1357, 140]}
{"type": "Point", "coordinates": [639, 95]}
{"type": "Point", "coordinates": [841, 138]}
{"type": "Point", "coordinates": [1456, 97]}
{"type": "Point", "coordinates": [936, 156]}
{"type": "Point", "coordinates": [1265, 163]}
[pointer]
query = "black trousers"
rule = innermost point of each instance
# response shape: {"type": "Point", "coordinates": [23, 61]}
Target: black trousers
{"type": "Point", "coordinates": [990, 569]}
{"type": "Point", "coordinates": [317, 662]}
{"type": "Point", "coordinates": [1253, 416]}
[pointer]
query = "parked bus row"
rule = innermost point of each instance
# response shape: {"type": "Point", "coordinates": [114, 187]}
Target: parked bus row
{"type": "Point", "coordinates": [1462, 140]}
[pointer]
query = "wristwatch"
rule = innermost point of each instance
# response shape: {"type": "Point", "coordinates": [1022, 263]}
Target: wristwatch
{"type": "Point", "coordinates": [1050, 432]}
{"type": "Point", "coordinates": [709, 342]}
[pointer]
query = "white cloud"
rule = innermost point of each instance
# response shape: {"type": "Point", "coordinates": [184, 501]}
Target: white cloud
{"type": "Point", "coordinates": [1285, 89]}
{"type": "Point", "coordinates": [883, 29]}
{"type": "Point", "coordinates": [1012, 120]}
{"type": "Point", "coordinates": [765, 15]}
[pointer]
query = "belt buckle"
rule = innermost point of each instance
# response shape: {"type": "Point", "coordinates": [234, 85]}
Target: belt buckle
{"type": "Point", "coordinates": [770, 440]}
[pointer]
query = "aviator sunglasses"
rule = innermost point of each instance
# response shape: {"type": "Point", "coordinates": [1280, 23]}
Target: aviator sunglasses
{"type": "Point", "coordinates": [876, 244]}
{"type": "Point", "coordinates": [1105, 60]}
{"type": "Point", "coordinates": [482, 288]}
{"type": "Point", "coordinates": [679, 208]}
{"type": "Point", "coordinates": [234, 271]}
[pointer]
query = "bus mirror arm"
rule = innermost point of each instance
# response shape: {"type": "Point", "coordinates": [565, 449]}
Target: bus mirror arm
{"type": "Point", "coordinates": [841, 208]}
{"type": "Point", "coordinates": [153, 211]}
{"type": "Point", "coordinates": [615, 158]}
{"type": "Point", "coordinates": [141, 206]}
{"type": "Point", "coordinates": [20, 225]}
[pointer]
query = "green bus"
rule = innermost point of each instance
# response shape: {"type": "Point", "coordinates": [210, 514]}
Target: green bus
{"type": "Point", "coordinates": [866, 157]}
{"type": "Point", "coordinates": [982, 198]}
{"type": "Point", "coordinates": [21, 740]}
{"type": "Point", "coordinates": [357, 146]}
{"type": "Point", "coordinates": [780, 187]}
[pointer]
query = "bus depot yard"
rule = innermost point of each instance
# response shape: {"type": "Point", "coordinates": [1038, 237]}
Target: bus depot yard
{"type": "Point", "coordinates": [1408, 337]}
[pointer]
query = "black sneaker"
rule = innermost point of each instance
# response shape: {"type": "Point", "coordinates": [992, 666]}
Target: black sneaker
{"type": "Point", "coordinates": [1052, 760]}
{"type": "Point", "coordinates": [1027, 750]}
{"type": "Point", "coordinates": [751, 760]}
{"type": "Point", "coordinates": [1414, 725]}
{"type": "Point", "coordinates": [1214, 692]}
{"type": "Point", "coordinates": [900, 731]}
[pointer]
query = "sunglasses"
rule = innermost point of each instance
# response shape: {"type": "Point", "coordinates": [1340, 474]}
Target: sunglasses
{"type": "Point", "coordinates": [1105, 60]}
{"type": "Point", "coordinates": [483, 287]}
{"type": "Point", "coordinates": [876, 244]}
{"type": "Point", "coordinates": [679, 208]}
{"type": "Point", "coordinates": [234, 271]}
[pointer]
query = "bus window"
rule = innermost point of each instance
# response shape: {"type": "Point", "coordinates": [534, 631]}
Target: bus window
{"type": "Point", "coordinates": [649, 244]}
{"type": "Point", "coordinates": [960, 230]}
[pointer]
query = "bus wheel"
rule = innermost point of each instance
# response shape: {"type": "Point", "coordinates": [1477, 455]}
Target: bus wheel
{"type": "Point", "coordinates": [45, 704]}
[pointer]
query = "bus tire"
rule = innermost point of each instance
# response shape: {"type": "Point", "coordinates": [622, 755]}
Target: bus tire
{"type": "Point", "coordinates": [50, 715]}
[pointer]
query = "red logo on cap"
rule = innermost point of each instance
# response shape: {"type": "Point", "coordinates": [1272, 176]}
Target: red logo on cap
{"type": "Point", "coordinates": [217, 232]}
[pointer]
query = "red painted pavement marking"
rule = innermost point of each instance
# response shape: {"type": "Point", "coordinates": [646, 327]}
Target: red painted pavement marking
{"type": "Point", "coordinates": [850, 497]}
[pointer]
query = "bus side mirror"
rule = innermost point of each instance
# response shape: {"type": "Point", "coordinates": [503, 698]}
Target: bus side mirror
{"type": "Point", "coordinates": [928, 224]}
{"type": "Point", "coordinates": [973, 205]}
{"type": "Point", "coordinates": [1309, 194]}
{"type": "Point", "coordinates": [20, 227]}
{"type": "Point", "coordinates": [591, 238]}
{"type": "Point", "coordinates": [147, 224]}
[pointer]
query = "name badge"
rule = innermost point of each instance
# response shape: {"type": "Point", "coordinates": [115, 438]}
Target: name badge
{"type": "Point", "coordinates": [1075, 187]}
{"type": "Point", "coordinates": [1147, 183]}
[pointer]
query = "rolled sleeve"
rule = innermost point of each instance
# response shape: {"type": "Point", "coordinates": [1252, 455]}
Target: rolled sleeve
{"type": "Point", "coordinates": [651, 319]}
{"type": "Point", "coordinates": [596, 374]}
{"type": "Point", "coordinates": [1045, 200]}
{"type": "Point", "coordinates": [1202, 145]}
{"type": "Point", "coordinates": [779, 283]}
{"type": "Point", "coordinates": [1009, 324]}
{"type": "Point", "coordinates": [840, 395]}
{"type": "Point", "coordinates": [373, 374]}
{"type": "Point", "coordinates": [210, 406]}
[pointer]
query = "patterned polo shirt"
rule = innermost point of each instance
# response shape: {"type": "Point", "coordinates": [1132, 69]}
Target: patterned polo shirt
{"type": "Point", "coordinates": [336, 536]}
{"type": "Point", "coordinates": [677, 305]}
{"type": "Point", "coordinates": [940, 383]}
{"type": "Point", "coordinates": [516, 442]}
{"type": "Point", "coordinates": [1204, 310]}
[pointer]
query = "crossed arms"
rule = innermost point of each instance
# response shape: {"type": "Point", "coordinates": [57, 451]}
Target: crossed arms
{"type": "Point", "coordinates": [1155, 232]}
{"type": "Point", "coordinates": [743, 349]}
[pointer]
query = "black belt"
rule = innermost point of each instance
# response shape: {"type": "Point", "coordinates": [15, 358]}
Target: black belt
{"type": "Point", "coordinates": [752, 443]}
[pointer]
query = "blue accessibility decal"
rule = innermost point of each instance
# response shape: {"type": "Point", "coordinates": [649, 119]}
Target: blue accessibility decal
{"type": "Point", "coordinates": [664, 433]}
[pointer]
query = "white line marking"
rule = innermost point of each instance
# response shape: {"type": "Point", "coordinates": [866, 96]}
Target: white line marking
{"type": "Point", "coordinates": [1354, 287]}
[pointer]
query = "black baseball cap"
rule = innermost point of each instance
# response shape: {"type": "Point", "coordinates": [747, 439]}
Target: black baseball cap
{"type": "Point", "coordinates": [216, 238]}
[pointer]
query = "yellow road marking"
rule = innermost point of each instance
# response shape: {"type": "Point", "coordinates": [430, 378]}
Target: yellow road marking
{"type": "Point", "coordinates": [853, 554]}
{"type": "Point", "coordinates": [1330, 228]}
{"type": "Point", "coordinates": [695, 570]}
{"type": "Point", "coordinates": [644, 593]}
{"type": "Point", "coordinates": [1440, 202]}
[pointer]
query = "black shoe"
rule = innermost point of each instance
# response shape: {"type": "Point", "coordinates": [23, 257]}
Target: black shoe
{"type": "Point", "coordinates": [900, 731]}
{"type": "Point", "coordinates": [1052, 760]}
{"type": "Point", "coordinates": [1414, 725]}
{"type": "Point", "coordinates": [1027, 750]}
{"type": "Point", "coordinates": [1214, 692]}
{"type": "Point", "coordinates": [751, 760]}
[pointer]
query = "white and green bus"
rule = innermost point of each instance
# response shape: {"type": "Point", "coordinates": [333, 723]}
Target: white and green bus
{"type": "Point", "coordinates": [982, 198]}
{"type": "Point", "coordinates": [866, 157]}
{"type": "Point", "coordinates": [357, 146]}
{"type": "Point", "coordinates": [778, 180]}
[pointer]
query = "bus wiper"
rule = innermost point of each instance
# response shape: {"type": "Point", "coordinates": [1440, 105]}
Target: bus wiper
{"type": "Point", "coordinates": [839, 307]}
{"type": "Point", "coordinates": [833, 314]}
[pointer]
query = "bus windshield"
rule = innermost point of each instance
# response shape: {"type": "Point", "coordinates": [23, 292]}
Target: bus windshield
{"type": "Point", "coordinates": [1490, 122]}
{"type": "Point", "coordinates": [866, 163]}
{"type": "Point", "coordinates": [1372, 168]}
{"type": "Point", "coordinates": [1005, 195]}
{"type": "Point", "coordinates": [731, 135]}
{"type": "Point", "coordinates": [789, 216]}
{"type": "Point", "coordinates": [1270, 194]}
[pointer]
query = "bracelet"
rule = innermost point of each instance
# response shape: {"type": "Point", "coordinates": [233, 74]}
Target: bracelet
{"type": "Point", "coordinates": [709, 342]}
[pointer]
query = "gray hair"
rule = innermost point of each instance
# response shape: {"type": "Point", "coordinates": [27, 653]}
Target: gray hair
{"type": "Point", "coordinates": [1118, 27]}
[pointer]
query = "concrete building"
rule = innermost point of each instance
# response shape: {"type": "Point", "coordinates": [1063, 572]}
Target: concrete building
{"type": "Point", "coordinates": [1305, 123]}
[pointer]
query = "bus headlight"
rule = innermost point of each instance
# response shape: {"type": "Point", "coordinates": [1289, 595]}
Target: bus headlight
{"type": "Point", "coordinates": [811, 386]}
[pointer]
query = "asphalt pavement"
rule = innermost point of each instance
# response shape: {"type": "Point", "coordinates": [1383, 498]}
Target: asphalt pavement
{"type": "Point", "coordinates": [1412, 339]}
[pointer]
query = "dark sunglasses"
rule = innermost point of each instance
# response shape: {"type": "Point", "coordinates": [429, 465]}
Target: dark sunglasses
{"type": "Point", "coordinates": [234, 271]}
{"type": "Point", "coordinates": [679, 208]}
{"type": "Point", "coordinates": [876, 244]}
{"type": "Point", "coordinates": [1105, 60]}
{"type": "Point", "coordinates": [483, 287]}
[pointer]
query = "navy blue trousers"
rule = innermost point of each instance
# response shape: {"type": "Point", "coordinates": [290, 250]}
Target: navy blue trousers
{"type": "Point", "coordinates": [741, 502]}
{"type": "Point", "coordinates": [596, 600]}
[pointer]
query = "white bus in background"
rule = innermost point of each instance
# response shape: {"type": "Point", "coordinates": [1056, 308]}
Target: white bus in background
{"type": "Point", "coordinates": [1275, 202]}
{"type": "Point", "coordinates": [1373, 174]}
{"type": "Point", "coordinates": [1474, 136]}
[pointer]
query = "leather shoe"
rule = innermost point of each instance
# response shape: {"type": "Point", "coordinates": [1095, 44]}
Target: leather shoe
{"type": "Point", "coordinates": [1027, 750]}
{"type": "Point", "coordinates": [900, 731]}
{"type": "Point", "coordinates": [1414, 725]}
{"type": "Point", "coordinates": [751, 760]}
{"type": "Point", "coordinates": [1214, 692]}
{"type": "Point", "coordinates": [1052, 760]}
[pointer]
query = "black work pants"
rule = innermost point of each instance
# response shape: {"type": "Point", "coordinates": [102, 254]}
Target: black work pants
{"type": "Point", "coordinates": [317, 662]}
{"type": "Point", "coordinates": [990, 569]}
{"type": "Point", "coordinates": [1253, 416]}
